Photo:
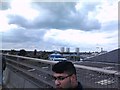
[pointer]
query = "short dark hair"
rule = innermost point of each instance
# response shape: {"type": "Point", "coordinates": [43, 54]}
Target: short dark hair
{"type": "Point", "coordinates": [64, 67]}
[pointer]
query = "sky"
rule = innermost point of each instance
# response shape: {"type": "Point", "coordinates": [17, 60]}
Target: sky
{"type": "Point", "coordinates": [46, 26]}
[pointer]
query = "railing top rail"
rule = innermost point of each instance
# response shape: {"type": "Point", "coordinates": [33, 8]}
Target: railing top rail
{"type": "Point", "coordinates": [35, 59]}
{"type": "Point", "coordinates": [98, 69]}
{"type": "Point", "coordinates": [77, 66]}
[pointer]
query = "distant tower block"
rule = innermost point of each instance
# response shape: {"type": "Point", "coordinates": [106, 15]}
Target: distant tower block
{"type": "Point", "coordinates": [67, 49]}
{"type": "Point", "coordinates": [77, 50]}
{"type": "Point", "coordinates": [62, 49]}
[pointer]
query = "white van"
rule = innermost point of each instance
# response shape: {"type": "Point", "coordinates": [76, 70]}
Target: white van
{"type": "Point", "coordinates": [57, 57]}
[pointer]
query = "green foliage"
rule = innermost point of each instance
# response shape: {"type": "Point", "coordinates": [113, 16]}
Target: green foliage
{"type": "Point", "coordinates": [22, 52]}
{"type": "Point", "coordinates": [35, 52]}
{"type": "Point", "coordinates": [13, 52]}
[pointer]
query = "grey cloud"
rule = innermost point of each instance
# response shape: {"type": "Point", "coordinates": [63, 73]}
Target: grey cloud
{"type": "Point", "coordinates": [23, 36]}
{"type": "Point", "coordinates": [60, 16]}
{"type": "Point", "coordinates": [110, 26]}
{"type": "Point", "coordinates": [16, 19]}
{"type": "Point", "coordinates": [16, 36]}
{"type": "Point", "coordinates": [65, 20]}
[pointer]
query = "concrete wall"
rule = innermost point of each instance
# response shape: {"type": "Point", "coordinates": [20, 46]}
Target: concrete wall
{"type": "Point", "coordinates": [15, 80]}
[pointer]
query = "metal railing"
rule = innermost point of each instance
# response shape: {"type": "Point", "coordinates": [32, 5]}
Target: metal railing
{"type": "Point", "coordinates": [40, 72]}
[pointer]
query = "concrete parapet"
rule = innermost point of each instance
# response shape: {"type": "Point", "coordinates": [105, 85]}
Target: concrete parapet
{"type": "Point", "coordinates": [15, 80]}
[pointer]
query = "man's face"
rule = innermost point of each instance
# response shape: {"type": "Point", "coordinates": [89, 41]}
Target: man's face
{"type": "Point", "coordinates": [62, 80]}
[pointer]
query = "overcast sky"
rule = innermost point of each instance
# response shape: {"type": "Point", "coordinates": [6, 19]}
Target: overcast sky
{"type": "Point", "coordinates": [86, 24]}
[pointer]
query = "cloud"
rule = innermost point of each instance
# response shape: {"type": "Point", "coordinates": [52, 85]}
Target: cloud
{"type": "Point", "coordinates": [50, 25]}
{"type": "Point", "coordinates": [110, 26]}
{"type": "Point", "coordinates": [62, 15]}
{"type": "Point", "coordinates": [59, 15]}
{"type": "Point", "coordinates": [107, 11]}
{"type": "Point", "coordinates": [79, 38]}
{"type": "Point", "coordinates": [22, 35]}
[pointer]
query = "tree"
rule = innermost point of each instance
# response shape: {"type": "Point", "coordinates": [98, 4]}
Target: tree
{"type": "Point", "coordinates": [22, 52]}
{"type": "Point", "coordinates": [13, 52]}
{"type": "Point", "coordinates": [35, 52]}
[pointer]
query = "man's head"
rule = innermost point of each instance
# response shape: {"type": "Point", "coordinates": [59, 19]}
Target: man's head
{"type": "Point", "coordinates": [64, 74]}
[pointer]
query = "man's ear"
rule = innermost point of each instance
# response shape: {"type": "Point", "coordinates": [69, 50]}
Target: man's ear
{"type": "Point", "coordinates": [74, 82]}
{"type": "Point", "coordinates": [73, 78]}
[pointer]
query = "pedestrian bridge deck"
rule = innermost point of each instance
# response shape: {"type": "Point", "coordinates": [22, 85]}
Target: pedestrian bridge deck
{"type": "Point", "coordinates": [26, 72]}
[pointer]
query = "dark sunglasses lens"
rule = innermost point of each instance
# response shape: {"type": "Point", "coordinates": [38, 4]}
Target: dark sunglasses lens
{"type": "Point", "coordinates": [59, 78]}
{"type": "Point", "coordinates": [54, 78]}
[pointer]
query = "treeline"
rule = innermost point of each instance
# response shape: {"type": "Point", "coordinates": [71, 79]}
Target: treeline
{"type": "Point", "coordinates": [45, 54]}
{"type": "Point", "coordinates": [34, 54]}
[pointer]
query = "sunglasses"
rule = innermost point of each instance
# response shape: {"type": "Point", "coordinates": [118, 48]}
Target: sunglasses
{"type": "Point", "coordinates": [60, 77]}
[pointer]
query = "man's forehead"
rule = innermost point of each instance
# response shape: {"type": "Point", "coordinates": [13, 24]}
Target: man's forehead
{"type": "Point", "coordinates": [59, 74]}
